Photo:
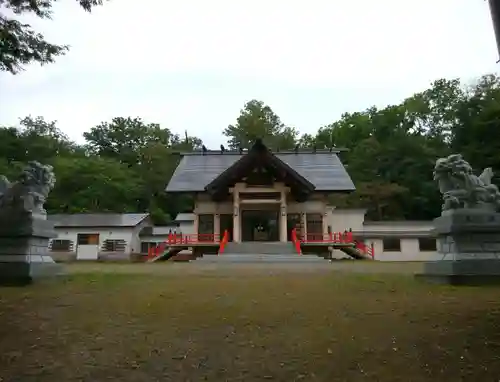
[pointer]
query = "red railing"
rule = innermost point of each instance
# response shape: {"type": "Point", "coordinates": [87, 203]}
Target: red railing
{"type": "Point", "coordinates": [182, 239]}
{"type": "Point", "coordinates": [195, 238]}
{"type": "Point", "coordinates": [332, 237]}
{"type": "Point", "coordinates": [366, 249]}
{"type": "Point", "coordinates": [296, 241]}
{"type": "Point", "coordinates": [156, 250]}
{"type": "Point", "coordinates": [223, 242]}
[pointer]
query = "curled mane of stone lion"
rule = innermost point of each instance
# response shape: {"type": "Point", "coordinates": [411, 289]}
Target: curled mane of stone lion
{"type": "Point", "coordinates": [30, 191]}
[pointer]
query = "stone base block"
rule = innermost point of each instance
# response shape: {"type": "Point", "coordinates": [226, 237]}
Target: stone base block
{"type": "Point", "coordinates": [24, 273]}
{"type": "Point", "coordinates": [24, 253]}
{"type": "Point", "coordinates": [462, 272]}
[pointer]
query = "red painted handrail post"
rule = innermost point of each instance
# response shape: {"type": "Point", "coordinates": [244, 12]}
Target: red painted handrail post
{"type": "Point", "coordinates": [296, 241]}
{"type": "Point", "coordinates": [223, 242]}
{"type": "Point", "coordinates": [226, 238]}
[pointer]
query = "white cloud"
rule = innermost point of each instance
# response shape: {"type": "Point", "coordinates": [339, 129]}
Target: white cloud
{"type": "Point", "coordinates": [192, 64]}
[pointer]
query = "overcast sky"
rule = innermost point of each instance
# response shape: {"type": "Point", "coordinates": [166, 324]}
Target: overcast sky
{"type": "Point", "coordinates": [192, 64]}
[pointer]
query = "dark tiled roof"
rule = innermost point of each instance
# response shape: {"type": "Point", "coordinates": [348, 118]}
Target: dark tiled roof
{"type": "Point", "coordinates": [323, 169]}
{"type": "Point", "coordinates": [97, 220]}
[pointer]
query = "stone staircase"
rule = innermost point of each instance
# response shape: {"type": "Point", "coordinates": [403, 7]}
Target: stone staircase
{"type": "Point", "coordinates": [255, 252]}
{"type": "Point", "coordinates": [257, 258]}
{"type": "Point", "coordinates": [263, 248]}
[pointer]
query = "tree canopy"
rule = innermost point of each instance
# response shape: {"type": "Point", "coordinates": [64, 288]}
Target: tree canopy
{"type": "Point", "coordinates": [19, 43]}
{"type": "Point", "coordinates": [124, 164]}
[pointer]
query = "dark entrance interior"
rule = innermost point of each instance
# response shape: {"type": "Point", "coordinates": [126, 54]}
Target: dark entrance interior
{"type": "Point", "coordinates": [226, 223]}
{"type": "Point", "coordinates": [260, 225]}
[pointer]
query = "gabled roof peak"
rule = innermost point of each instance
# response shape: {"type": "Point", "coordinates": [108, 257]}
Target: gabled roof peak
{"type": "Point", "coordinates": [260, 145]}
{"type": "Point", "coordinates": [245, 151]}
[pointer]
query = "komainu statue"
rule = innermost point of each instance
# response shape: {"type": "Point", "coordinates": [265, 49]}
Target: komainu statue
{"type": "Point", "coordinates": [461, 188]}
{"type": "Point", "coordinates": [29, 192]}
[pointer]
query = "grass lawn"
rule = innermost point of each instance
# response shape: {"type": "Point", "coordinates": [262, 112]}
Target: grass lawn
{"type": "Point", "coordinates": [166, 323]}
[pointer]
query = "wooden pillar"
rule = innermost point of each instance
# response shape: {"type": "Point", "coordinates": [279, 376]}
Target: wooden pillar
{"type": "Point", "coordinates": [283, 221]}
{"type": "Point", "coordinates": [196, 224]}
{"type": "Point", "coordinates": [217, 232]}
{"type": "Point", "coordinates": [303, 218]}
{"type": "Point", "coordinates": [236, 216]}
{"type": "Point", "coordinates": [325, 223]}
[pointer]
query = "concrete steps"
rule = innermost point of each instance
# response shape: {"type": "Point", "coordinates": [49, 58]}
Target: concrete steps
{"type": "Point", "coordinates": [355, 253]}
{"type": "Point", "coordinates": [260, 258]}
{"type": "Point", "coordinates": [263, 248]}
{"type": "Point", "coordinates": [260, 252]}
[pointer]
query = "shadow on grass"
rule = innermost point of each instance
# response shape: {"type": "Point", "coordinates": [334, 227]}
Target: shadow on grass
{"type": "Point", "coordinates": [333, 326]}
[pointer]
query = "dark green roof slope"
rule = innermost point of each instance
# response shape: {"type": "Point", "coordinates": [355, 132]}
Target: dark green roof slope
{"type": "Point", "coordinates": [323, 169]}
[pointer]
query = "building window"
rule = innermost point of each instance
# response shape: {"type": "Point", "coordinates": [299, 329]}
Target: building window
{"type": "Point", "coordinates": [114, 246]}
{"type": "Point", "coordinates": [87, 239]}
{"type": "Point", "coordinates": [427, 244]}
{"type": "Point", "coordinates": [61, 245]}
{"type": "Point", "coordinates": [147, 245]}
{"type": "Point", "coordinates": [314, 226]}
{"type": "Point", "coordinates": [206, 224]}
{"type": "Point", "coordinates": [391, 245]}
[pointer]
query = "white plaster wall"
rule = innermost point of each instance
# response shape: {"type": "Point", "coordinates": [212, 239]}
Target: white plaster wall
{"type": "Point", "coordinates": [186, 227]}
{"type": "Point", "coordinates": [155, 239]}
{"type": "Point", "coordinates": [311, 206]}
{"type": "Point", "coordinates": [134, 243]}
{"type": "Point", "coordinates": [209, 207]}
{"type": "Point", "coordinates": [410, 251]}
{"type": "Point", "coordinates": [395, 227]}
{"type": "Point", "coordinates": [87, 252]}
{"type": "Point", "coordinates": [343, 219]}
{"type": "Point", "coordinates": [203, 205]}
{"type": "Point", "coordinates": [105, 233]}
{"type": "Point", "coordinates": [164, 230]}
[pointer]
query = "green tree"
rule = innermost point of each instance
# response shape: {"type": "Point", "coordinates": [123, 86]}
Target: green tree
{"type": "Point", "coordinates": [151, 154]}
{"type": "Point", "coordinates": [94, 184]}
{"type": "Point", "coordinates": [44, 141]}
{"type": "Point", "coordinates": [387, 149]}
{"type": "Point", "coordinates": [126, 163]}
{"type": "Point", "coordinates": [19, 43]}
{"type": "Point", "coordinates": [257, 120]}
{"type": "Point", "coordinates": [124, 138]}
{"type": "Point", "coordinates": [477, 125]}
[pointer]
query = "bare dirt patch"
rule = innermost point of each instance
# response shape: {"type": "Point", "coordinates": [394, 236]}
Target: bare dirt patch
{"type": "Point", "coordinates": [141, 323]}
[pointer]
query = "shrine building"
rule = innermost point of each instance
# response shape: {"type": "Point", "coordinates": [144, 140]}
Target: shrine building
{"type": "Point", "coordinates": [258, 195]}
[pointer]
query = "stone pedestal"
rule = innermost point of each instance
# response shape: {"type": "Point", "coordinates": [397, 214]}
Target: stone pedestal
{"type": "Point", "coordinates": [24, 249]}
{"type": "Point", "coordinates": [469, 243]}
